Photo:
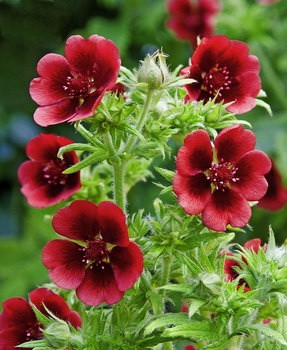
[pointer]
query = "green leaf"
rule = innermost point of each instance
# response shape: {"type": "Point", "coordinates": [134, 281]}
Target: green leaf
{"type": "Point", "coordinates": [181, 288]}
{"type": "Point", "coordinates": [166, 321]}
{"type": "Point", "coordinates": [194, 306]}
{"type": "Point", "coordinates": [196, 330]}
{"type": "Point", "coordinates": [264, 105]}
{"type": "Point", "coordinates": [91, 159]}
{"type": "Point", "coordinates": [167, 174]}
{"type": "Point", "coordinates": [34, 344]}
{"type": "Point", "coordinates": [75, 147]}
{"type": "Point", "coordinates": [266, 331]}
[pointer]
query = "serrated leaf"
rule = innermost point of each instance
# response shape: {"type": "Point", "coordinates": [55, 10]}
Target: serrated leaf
{"type": "Point", "coordinates": [167, 174]}
{"type": "Point", "coordinates": [194, 306]}
{"type": "Point", "coordinates": [266, 331]}
{"type": "Point", "coordinates": [75, 147]}
{"type": "Point", "coordinates": [91, 159]}
{"type": "Point", "coordinates": [165, 321]}
{"type": "Point", "coordinates": [181, 288]}
{"type": "Point", "coordinates": [196, 330]}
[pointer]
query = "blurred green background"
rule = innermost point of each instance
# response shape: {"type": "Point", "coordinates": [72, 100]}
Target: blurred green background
{"type": "Point", "coordinates": [31, 28]}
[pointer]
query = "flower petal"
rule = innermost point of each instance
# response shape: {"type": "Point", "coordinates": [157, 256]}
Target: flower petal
{"type": "Point", "coordinates": [113, 225]}
{"type": "Point", "coordinates": [251, 170]}
{"type": "Point", "coordinates": [99, 286]}
{"type": "Point", "coordinates": [233, 142]}
{"type": "Point", "coordinates": [79, 221]}
{"type": "Point", "coordinates": [193, 192]}
{"type": "Point", "coordinates": [127, 264]}
{"type": "Point", "coordinates": [16, 313]}
{"type": "Point", "coordinates": [45, 147]}
{"type": "Point", "coordinates": [196, 154]}
{"type": "Point", "coordinates": [56, 304]}
{"type": "Point", "coordinates": [49, 88]}
{"type": "Point", "coordinates": [63, 259]}
{"type": "Point", "coordinates": [57, 113]}
{"type": "Point", "coordinates": [225, 208]}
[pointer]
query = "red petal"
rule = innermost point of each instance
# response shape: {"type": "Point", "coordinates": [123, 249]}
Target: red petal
{"type": "Point", "coordinates": [44, 147]}
{"type": "Point", "coordinates": [79, 221]}
{"type": "Point", "coordinates": [113, 225]}
{"type": "Point", "coordinates": [208, 53]}
{"type": "Point", "coordinates": [16, 313]}
{"type": "Point", "coordinates": [225, 208]}
{"type": "Point", "coordinates": [54, 303]}
{"type": "Point", "coordinates": [251, 169]}
{"type": "Point", "coordinates": [11, 337]}
{"type": "Point", "coordinates": [233, 142]}
{"type": "Point", "coordinates": [88, 56]}
{"type": "Point", "coordinates": [58, 113]}
{"type": "Point", "coordinates": [196, 154]}
{"type": "Point", "coordinates": [49, 88]}
{"type": "Point", "coordinates": [64, 260]}
{"type": "Point", "coordinates": [127, 264]}
{"type": "Point", "coordinates": [193, 192]}
{"type": "Point", "coordinates": [88, 107]}
{"type": "Point", "coordinates": [99, 286]}
{"type": "Point", "coordinates": [253, 244]}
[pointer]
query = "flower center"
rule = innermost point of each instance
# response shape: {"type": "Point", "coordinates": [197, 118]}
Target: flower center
{"type": "Point", "coordinates": [79, 86]}
{"type": "Point", "coordinates": [96, 253]}
{"type": "Point", "coordinates": [216, 80]}
{"type": "Point", "coordinates": [34, 332]}
{"type": "Point", "coordinates": [53, 172]}
{"type": "Point", "coordinates": [222, 175]}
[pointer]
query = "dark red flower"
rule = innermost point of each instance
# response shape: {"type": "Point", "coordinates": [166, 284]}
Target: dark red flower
{"type": "Point", "coordinates": [70, 88]}
{"type": "Point", "coordinates": [18, 322]}
{"type": "Point", "coordinates": [218, 180]}
{"type": "Point", "coordinates": [229, 264]}
{"type": "Point", "coordinates": [190, 19]}
{"type": "Point", "coordinates": [224, 71]}
{"type": "Point", "coordinates": [276, 195]}
{"type": "Point", "coordinates": [103, 263]}
{"type": "Point", "coordinates": [41, 177]}
{"type": "Point", "coordinates": [189, 347]}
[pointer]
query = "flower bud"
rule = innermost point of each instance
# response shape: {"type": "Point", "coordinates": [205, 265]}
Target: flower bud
{"type": "Point", "coordinates": [153, 70]}
{"type": "Point", "coordinates": [57, 334]}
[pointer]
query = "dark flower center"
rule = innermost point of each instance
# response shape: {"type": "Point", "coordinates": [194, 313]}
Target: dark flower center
{"type": "Point", "coordinates": [79, 86]}
{"type": "Point", "coordinates": [34, 332]}
{"type": "Point", "coordinates": [53, 172]}
{"type": "Point", "coordinates": [216, 80]}
{"type": "Point", "coordinates": [96, 254]}
{"type": "Point", "coordinates": [222, 175]}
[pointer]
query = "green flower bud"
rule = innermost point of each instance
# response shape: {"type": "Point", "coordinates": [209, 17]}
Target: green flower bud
{"type": "Point", "coordinates": [57, 334]}
{"type": "Point", "coordinates": [153, 71]}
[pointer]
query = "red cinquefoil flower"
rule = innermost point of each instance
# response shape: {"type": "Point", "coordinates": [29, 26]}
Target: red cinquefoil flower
{"type": "Point", "coordinates": [70, 88]}
{"type": "Point", "coordinates": [103, 263]}
{"type": "Point", "coordinates": [276, 195]}
{"type": "Point", "coordinates": [224, 71]}
{"type": "Point", "coordinates": [18, 322]}
{"type": "Point", "coordinates": [219, 179]}
{"type": "Point", "coordinates": [229, 264]}
{"type": "Point", "coordinates": [190, 19]}
{"type": "Point", "coordinates": [41, 177]}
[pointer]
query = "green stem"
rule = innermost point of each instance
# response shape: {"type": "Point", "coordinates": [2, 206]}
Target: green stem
{"type": "Point", "coordinates": [119, 193]}
{"type": "Point", "coordinates": [119, 167]}
{"type": "Point", "coordinates": [87, 135]}
{"type": "Point", "coordinates": [167, 261]}
{"type": "Point", "coordinates": [132, 140]}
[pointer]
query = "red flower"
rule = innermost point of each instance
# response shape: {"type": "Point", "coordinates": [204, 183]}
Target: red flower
{"type": "Point", "coordinates": [189, 347]}
{"type": "Point", "coordinates": [42, 180]}
{"type": "Point", "coordinates": [224, 71]}
{"type": "Point", "coordinates": [276, 195]}
{"type": "Point", "coordinates": [18, 322]}
{"type": "Point", "coordinates": [218, 180]}
{"type": "Point", "coordinates": [229, 264]}
{"type": "Point", "coordinates": [70, 88]}
{"type": "Point", "coordinates": [190, 19]}
{"type": "Point", "coordinates": [103, 263]}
